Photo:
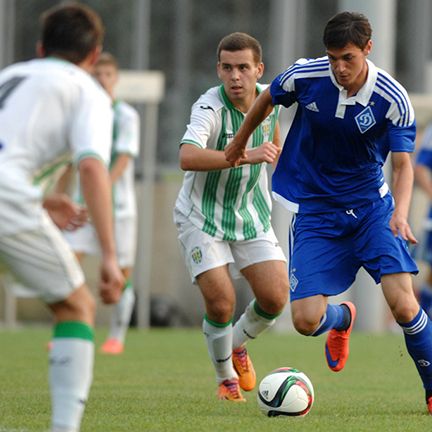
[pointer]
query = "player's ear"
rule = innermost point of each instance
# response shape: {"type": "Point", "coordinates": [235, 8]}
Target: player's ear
{"type": "Point", "coordinates": [218, 65]}
{"type": "Point", "coordinates": [260, 72]}
{"type": "Point", "coordinates": [94, 55]}
{"type": "Point", "coordinates": [368, 47]}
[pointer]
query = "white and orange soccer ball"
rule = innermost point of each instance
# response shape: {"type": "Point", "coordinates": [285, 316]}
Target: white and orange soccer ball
{"type": "Point", "coordinates": [285, 392]}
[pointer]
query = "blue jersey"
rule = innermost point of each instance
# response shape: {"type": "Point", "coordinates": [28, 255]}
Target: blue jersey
{"type": "Point", "coordinates": [424, 156]}
{"type": "Point", "coordinates": [336, 146]}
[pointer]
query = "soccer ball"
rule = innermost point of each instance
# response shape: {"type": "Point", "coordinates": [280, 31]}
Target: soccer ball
{"type": "Point", "coordinates": [285, 391]}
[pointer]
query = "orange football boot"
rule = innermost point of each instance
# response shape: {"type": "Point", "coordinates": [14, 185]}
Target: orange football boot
{"type": "Point", "coordinates": [337, 344]}
{"type": "Point", "coordinates": [244, 368]}
{"type": "Point", "coordinates": [230, 390]}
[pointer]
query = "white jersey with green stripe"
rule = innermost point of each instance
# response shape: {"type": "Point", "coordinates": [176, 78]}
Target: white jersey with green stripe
{"type": "Point", "coordinates": [49, 109]}
{"type": "Point", "coordinates": [231, 204]}
{"type": "Point", "coordinates": [125, 140]}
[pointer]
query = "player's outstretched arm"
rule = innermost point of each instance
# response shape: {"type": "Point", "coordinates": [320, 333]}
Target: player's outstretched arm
{"type": "Point", "coordinates": [403, 179]}
{"type": "Point", "coordinates": [193, 158]}
{"type": "Point", "coordinates": [267, 152]}
{"type": "Point", "coordinates": [96, 187]}
{"type": "Point", "coordinates": [261, 108]}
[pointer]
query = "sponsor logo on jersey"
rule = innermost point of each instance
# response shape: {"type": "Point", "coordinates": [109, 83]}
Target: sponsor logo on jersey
{"type": "Point", "coordinates": [312, 107]}
{"type": "Point", "coordinates": [365, 119]}
{"type": "Point", "coordinates": [196, 255]}
{"type": "Point", "coordinates": [206, 107]}
{"type": "Point", "coordinates": [228, 135]}
{"type": "Point", "coordinates": [423, 363]}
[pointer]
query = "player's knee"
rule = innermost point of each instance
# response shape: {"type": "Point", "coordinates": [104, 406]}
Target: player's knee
{"type": "Point", "coordinates": [79, 306]}
{"type": "Point", "coordinates": [220, 310]}
{"type": "Point", "coordinates": [273, 305]}
{"type": "Point", "coordinates": [304, 324]}
{"type": "Point", "coordinates": [405, 312]}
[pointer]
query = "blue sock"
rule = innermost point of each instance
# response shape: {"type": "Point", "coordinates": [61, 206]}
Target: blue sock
{"type": "Point", "coordinates": [336, 317]}
{"type": "Point", "coordinates": [418, 339]}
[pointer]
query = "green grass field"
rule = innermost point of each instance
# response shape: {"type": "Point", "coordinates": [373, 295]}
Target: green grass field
{"type": "Point", "coordinates": [164, 382]}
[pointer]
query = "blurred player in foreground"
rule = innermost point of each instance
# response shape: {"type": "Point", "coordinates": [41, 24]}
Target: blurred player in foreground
{"type": "Point", "coordinates": [223, 214]}
{"type": "Point", "coordinates": [49, 107]}
{"type": "Point", "coordinates": [125, 146]}
{"type": "Point", "coordinates": [350, 115]}
{"type": "Point", "coordinates": [423, 177]}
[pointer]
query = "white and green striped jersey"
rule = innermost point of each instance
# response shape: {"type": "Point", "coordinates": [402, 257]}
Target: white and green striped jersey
{"type": "Point", "coordinates": [234, 203]}
{"type": "Point", "coordinates": [125, 140]}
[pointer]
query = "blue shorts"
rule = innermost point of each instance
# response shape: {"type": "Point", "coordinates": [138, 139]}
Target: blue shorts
{"type": "Point", "coordinates": [328, 249]}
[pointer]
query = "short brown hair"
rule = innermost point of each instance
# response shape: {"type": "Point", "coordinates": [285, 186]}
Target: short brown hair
{"type": "Point", "coordinates": [240, 41]}
{"type": "Point", "coordinates": [71, 31]}
{"type": "Point", "coordinates": [107, 59]}
{"type": "Point", "coordinates": [345, 28]}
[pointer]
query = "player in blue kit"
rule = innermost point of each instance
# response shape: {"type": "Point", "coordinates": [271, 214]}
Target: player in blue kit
{"type": "Point", "coordinates": [350, 115]}
{"type": "Point", "coordinates": [423, 170]}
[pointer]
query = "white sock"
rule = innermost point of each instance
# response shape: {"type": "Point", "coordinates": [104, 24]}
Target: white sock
{"type": "Point", "coordinates": [219, 344]}
{"type": "Point", "coordinates": [121, 315]}
{"type": "Point", "coordinates": [61, 429]}
{"type": "Point", "coordinates": [70, 374]}
{"type": "Point", "coordinates": [250, 325]}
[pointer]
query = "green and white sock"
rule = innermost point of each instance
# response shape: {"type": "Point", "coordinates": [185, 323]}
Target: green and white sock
{"type": "Point", "coordinates": [253, 322]}
{"type": "Point", "coordinates": [70, 373]}
{"type": "Point", "coordinates": [219, 344]}
{"type": "Point", "coordinates": [121, 316]}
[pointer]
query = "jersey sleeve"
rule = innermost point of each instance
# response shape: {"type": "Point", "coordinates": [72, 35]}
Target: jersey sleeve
{"type": "Point", "coordinates": [202, 125]}
{"type": "Point", "coordinates": [127, 140]}
{"type": "Point", "coordinates": [402, 124]}
{"type": "Point", "coordinates": [424, 156]}
{"type": "Point", "coordinates": [90, 132]}
{"type": "Point", "coordinates": [282, 88]}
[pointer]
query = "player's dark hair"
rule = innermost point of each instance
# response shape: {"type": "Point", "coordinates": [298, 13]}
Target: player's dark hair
{"type": "Point", "coordinates": [107, 59]}
{"type": "Point", "coordinates": [240, 41]}
{"type": "Point", "coordinates": [71, 31]}
{"type": "Point", "coordinates": [345, 28]}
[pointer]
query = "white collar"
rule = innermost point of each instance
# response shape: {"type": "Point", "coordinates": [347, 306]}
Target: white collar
{"type": "Point", "coordinates": [365, 92]}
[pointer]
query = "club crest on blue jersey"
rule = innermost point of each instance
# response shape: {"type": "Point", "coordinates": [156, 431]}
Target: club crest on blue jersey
{"type": "Point", "coordinates": [365, 120]}
{"type": "Point", "coordinates": [293, 282]}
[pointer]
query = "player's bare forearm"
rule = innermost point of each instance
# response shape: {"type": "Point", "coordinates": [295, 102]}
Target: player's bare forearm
{"type": "Point", "coordinates": [261, 108]}
{"type": "Point", "coordinates": [64, 180]}
{"type": "Point", "coordinates": [267, 152]}
{"type": "Point", "coordinates": [96, 188]}
{"type": "Point", "coordinates": [277, 141]}
{"type": "Point", "coordinates": [403, 179]}
{"type": "Point", "coordinates": [193, 158]}
{"type": "Point", "coordinates": [119, 166]}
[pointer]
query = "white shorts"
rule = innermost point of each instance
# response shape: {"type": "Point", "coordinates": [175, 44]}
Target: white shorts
{"type": "Point", "coordinates": [42, 263]}
{"type": "Point", "coordinates": [85, 240]}
{"type": "Point", "coordinates": [203, 252]}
